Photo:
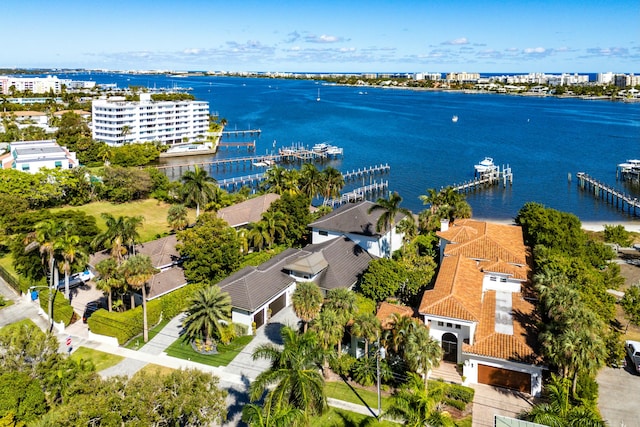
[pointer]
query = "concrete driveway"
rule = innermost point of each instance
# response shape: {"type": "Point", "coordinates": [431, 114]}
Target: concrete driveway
{"type": "Point", "coordinates": [618, 396]}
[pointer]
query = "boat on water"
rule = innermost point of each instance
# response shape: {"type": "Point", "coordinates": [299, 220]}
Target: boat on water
{"type": "Point", "coordinates": [328, 149]}
{"type": "Point", "coordinates": [485, 165]}
{"type": "Point", "coordinates": [264, 163]}
{"type": "Point", "coordinates": [179, 150]}
{"type": "Point", "coordinates": [630, 166]}
{"type": "Point", "coordinates": [318, 98]}
{"type": "Point", "coordinates": [454, 119]}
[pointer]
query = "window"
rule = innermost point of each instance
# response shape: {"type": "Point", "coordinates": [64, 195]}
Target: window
{"type": "Point", "coordinates": [58, 163]}
{"type": "Point", "coordinates": [449, 325]}
{"type": "Point", "coordinates": [25, 167]}
{"type": "Point", "coordinates": [503, 280]}
{"type": "Point", "coordinates": [492, 278]}
{"type": "Point", "coordinates": [458, 327]}
{"type": "Point", "coordinates": [323, 233]}
{"type": "Point", "coordinates": [440, 323]}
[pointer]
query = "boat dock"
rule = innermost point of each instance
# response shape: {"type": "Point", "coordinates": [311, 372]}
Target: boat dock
{"type": "Point", "coordinates": [369, 172]}
{"type": "Point", "coordinates": [486, 177]}
{"type": "Point", "coordinates": [232, 185]}
{"type": "Point", "coordinates": [241, 132]}
{"type": "Point", "coordinates": [361, 193]}
{"type": "Point", "coordinates": [249, 145]}
{"type": "Point", "coordinates": [620, 200]}
{"type": "Point", "coordinates": [301, 153]}
{"type": "Point", "coordinates": [629, 171]}
{"type": "Point", "coordinates": [225, 164]}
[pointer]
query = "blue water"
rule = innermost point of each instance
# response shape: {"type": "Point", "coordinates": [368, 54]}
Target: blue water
{"type": "Point", "coordinates": [543, 140]}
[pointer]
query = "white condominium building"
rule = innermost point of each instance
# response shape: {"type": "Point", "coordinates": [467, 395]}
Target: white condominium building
{"type": "Point", "coordinates": [117, 121]}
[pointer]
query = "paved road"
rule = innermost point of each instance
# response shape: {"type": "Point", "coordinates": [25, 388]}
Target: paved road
{"type": "Point", "coordinates": [618, 396]}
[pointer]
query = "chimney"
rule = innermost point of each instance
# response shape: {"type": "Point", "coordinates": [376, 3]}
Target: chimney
{"type": "Point", "coordinates": [444, 224]}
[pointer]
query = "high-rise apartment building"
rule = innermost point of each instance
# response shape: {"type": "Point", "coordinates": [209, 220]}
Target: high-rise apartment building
{"type": "Point", "coordinates": [116, 121]}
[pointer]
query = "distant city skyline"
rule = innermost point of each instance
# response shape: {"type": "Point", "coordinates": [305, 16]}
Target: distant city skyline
{"type": "Point", "coordinates": [330, 36]}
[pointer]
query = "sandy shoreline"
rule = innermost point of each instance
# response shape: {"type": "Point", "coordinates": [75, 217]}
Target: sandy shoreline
{"type": "Point", "coordinates": [586, 225]}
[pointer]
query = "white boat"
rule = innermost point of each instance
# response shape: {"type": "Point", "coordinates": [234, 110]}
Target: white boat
{"type": "Point", "coordinates": [321, 148]}
{"type": "Point", "coordinates": [630, 165]}
{"type": "Point", "coordinates": [334, 151]}
{"type": "Point", "coordinates": [188, 150]}
{"type": "Point", "coordinates": [454, 119]}
{"type": "Point", "coordinates": [318, 98]}
{"type": "Point", "coordinates": [485, 165]}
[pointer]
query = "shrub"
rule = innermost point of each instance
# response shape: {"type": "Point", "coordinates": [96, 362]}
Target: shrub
{"type": "Point", "coordinates": [455, 403]}
{"type": "Point", "coordinates": [342, 365]}
{"type": "Point", "coordinates": [461, 393]}
{"type": "Point", "coordinates": [126, 325]}
{"type": "Point", "coordinates": [62, 310]}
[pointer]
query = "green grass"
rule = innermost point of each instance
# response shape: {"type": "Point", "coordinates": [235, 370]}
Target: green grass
{"type": "Point", "coordinates": [19, 323]}
{"type": "Point", "coordinates": [183, 350]}
{"type": "Point", "coordinates": [153, 369]}
{"type": "Point", "coordinates": [4, 303]}
{"type": "Point", "coordinates": [100, 359]}
{"type": "Point", "coordinates": [7, 263]}
{"type": "Point", "coordinates": [341, 391]}
{"type": "Point", "coordinates": [136, 343]}
{"type": "Point", "coordinates": [341, 418]}
{"type": "Point", "coordinates": [153, 211]}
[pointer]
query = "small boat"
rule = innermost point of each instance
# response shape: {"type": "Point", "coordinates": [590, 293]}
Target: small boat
{"type": "Point", "coordinates": [454, 119]}
{"type": "Point", "coordinates": [321, 148]}
{"type": "Point", "coordinates": [485, 165]}
{"type": "Point", "coordinates": [318, 98]}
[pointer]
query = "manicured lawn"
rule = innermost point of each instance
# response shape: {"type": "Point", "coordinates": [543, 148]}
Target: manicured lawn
{"type": "Point", "coordinates": [342, 391]}
{"type": "Point", "coordinates": [154, 369]}
{"type": "Point", "coordinates": [137, 343]}
{"type": "Point", "coordinates": [183, 350]}
{"type": "Point", "coordinates": [153, 211]}
{"type": "Point", "coordinates": [341, 418]}
{"type": "Point", "coordinates": [100, 359]}
{"type": "Point", "coordinates": [18, 324]}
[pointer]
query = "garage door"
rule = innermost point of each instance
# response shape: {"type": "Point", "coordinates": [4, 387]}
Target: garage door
{"type": "Point", "coordinates": [258, 318]}
{"type": "Point", "coordinates": [504, 378]}
{"type": "Point", "coordinates": [278, 304]}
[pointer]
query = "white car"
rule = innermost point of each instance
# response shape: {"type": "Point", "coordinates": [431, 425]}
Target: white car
{"type": "Point", "coordinates": [633, 351]}
{"type": "Point", "coordinates": [85, 276]}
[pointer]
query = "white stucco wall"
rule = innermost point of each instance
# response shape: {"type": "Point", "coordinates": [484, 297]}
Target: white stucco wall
{"type": "Point", "coordinates": [498, 285]}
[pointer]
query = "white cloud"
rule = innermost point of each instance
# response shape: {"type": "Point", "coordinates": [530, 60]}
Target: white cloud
{"type": "Point", "coordinates": [192, 51]}
{"type": "Point", "coordinates": [534, 50]}
{"type": "Point", "coordinates": [324, 38]}
{"type": "Point", "coordinates": [456, 42]}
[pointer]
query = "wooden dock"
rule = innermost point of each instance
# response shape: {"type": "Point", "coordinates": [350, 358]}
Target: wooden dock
{"type": "Point", "coordinates": [490, 178]}
{"type": "Point", "coordinates": [369, 172]}
{"type": "Point", "coordinates": [249, 145]}
{"type": "Point", "coordinates": [622, 201]}
{"type": "Point", "coordinates": [241, 132]}
{"type": "Point", "coordinates": [361, 193]}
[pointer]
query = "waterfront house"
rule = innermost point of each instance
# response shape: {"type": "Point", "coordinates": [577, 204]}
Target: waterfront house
{"type": "Point", "coordinates": [354, 221]}
{"type": "Point", "coordinates": [251, 210]}
{"type": "Point", "coordinates": [31, 156]}
{"type": "Point", "coordinates": [477, 308]}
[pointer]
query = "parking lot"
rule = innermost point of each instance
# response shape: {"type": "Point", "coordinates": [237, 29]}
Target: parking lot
{"type": "Point", "coordinates": [618, 396]}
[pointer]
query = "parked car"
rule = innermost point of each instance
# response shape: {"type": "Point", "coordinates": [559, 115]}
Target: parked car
{"type": "Point", "coordinates": [90, 308]}
{"type": "Point", "coordinates": [633, 351]}
{"type": "Point", "coordinates": [74, 282]}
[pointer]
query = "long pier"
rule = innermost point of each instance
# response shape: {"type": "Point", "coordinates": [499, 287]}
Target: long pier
{"type": "Point", "coordinates": [487, 179]}
{"type": "Point", "coordinates": [241, 132]}
{"type": "Point", "coordinates": [360, 193]}
{"type": "Point", "coordinates": [249, 145]}
{"type": "Point", "coordinates": [620, 200]}
{"type": "Point", "coordinates": [234, 184]}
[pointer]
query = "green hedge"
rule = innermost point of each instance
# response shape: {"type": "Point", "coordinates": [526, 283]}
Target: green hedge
{"type": "Point", "coordinates": [177, 301]}
{"type": "Point", "coordinates": [62, 310]}
{"type": "Point", "coordinates": [125, 325]}
{"type": "Point", "coordinates": [461, 393]}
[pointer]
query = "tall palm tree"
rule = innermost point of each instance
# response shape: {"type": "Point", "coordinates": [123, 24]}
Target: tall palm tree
{"type": "Point", "coordinates": [198, 187]}
{"type": "Point", "coordinates": [332, 183]}
{"type": "Point", "coordinates": [276, 225]}
{"type": "Point", "coordinates": [367, 327]}
{"type": "Point", "coordinates": [421, 351]}
{"type": "Point", "coordinates": [177, 217]}
{"type": "Point", "coordinates": [208, 313]}
{"type": "Point", "coordinates": [137, 272]}
{"type": "Point", "coordinates": [329, 328]}
{"type": "Point", "coordinates": [109, 278]}
{"type": "Point", "coordinates": [342, 301]}
{"type": "Point", "coordinates": [390, 211]}
{"type": "Point", "coordinates": [275, 180]}
{"type": "Point", "coordinates": [307, 302]}
{"type": "Point", "coordinates": [258, 235]}
{"type": "Point", "coordinates": [310, 180]}
{"type": "Point", "coordinates": [120, 236]}
{"type": "Point", "coordinates": [293, 376]}
{"type": "Point", "coordinates": [69, 247]}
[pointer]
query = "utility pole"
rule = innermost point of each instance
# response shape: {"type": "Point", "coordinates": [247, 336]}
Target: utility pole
{"type": "Point", "coordinates": [380, 353]}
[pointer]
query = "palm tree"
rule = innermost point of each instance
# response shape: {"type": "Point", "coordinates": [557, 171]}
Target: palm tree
{"type": "Point", "coordinates": [390, 210]}
{"type": "Point", "coordinates": [276, 225]}
{"type": "Point", "coordinates": [307, 302]}
{"type": "Point", "coordinates": [266, 416]}
{"type": "Point", "coordinates": [418, 406]}
{"type": "Point", "coordinates": [310, 180]}
{"type": "Point", "coordinates": [108, 278]}
{"type": "Point", "coordinates": [137, 272]}
{"type": "Point", "coordinates": [275, 180]}
{"type": "Point", "coordinates": [367, 327]}
{"type": "Point", "coordinates": [120, 233]}
{"type": "Point", "coordinates": [329, 328]}
{"type": "Point", "coordinates": [208, 313]}
{"type": "Point", "coordinates": [333, 182]}
{"type": "Point", "coordinates": [342, 301]}
{"type": "Point", "coordinates": [421, 351]}
{"type": "Point", "coordinates": [177, 217]}
{"type": "Point", "coordinates": [198, 188]}
{"type": "Point", "coordinates": [69, 247]}
{"type": "Point", "coordinates": [293, 377]}
{"type": "Point", "coordinates": [258, 235]}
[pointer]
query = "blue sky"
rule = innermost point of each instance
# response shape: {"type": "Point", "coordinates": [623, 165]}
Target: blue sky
{"type": "Point", "coordinates": [323, 36]}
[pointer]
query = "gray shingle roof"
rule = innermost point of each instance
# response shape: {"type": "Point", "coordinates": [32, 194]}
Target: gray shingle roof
{"type": "Point", "coordinates": [248, 211]}
{"type": "Point", "coordinates": [252, 287]}
{"type": "Point", "coordinates": [352, 218]}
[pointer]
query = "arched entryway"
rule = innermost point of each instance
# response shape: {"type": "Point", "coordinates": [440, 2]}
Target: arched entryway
{"type": "Point", "coordinates": [450, 348]}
